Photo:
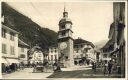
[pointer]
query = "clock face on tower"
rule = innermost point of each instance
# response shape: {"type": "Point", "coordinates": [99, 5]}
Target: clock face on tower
{"type": "Point", "coordinates": [63, 45]}
{"type": "Point", "coordinates": [68, 25]}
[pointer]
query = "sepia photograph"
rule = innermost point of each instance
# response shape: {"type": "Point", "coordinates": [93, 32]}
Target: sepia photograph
{"type": "Point", "coordinates": [64, 39]}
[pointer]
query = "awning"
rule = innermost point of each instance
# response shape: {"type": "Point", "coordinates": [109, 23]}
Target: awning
{"type": "Point", "coordinates": [13, 61]}
{"type": "Point", "coordinates": [4, 60]}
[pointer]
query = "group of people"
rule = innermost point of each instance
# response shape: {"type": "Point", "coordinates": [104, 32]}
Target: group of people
{"type": "Point", "coordinates": [82, 62]}
{"type": "Point", "coordinates": [107, 67]}
{"type": "Point", "coordinates": [6, 68]}
{"type": "Point", "coordinates": [46, 66]}
{"type": "Point", "coordinates": [9, 68]}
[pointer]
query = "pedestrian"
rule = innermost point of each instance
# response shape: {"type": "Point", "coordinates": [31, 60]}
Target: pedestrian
{"type": "Point", "coordinates": [58, 67]}
{"type": "Point", "coordinates": [88, 61]}
{"type": "Point", "coordinates": [45, 64]}
{"type": "Point", "coordinates": [7, 69]}
{"type": "Point", "coordinates": [34, 67]}
{"type": "Point", "coordinates": [94, 66]}
{"type": "Point", "coordinates": [12, 67]}
{"type": "Point", "coordinates": [105, 65]}
{"type": "Point", "coordinates": [110, 65]}
{"type": "Point", "coordinates": [3, 68]}
{"type": "Point", "coordinates": [55, 66]}
{"type": "Point", "coordinates": [75, 62]}
{"type": "Point", "coordinates": [22, 65]}
{"type": "Point", "coordinates": [114, 68]}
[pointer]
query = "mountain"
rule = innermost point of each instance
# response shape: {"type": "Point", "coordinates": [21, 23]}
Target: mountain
{"type": "Point", "coordinates": [100, 44]}
{"type": "Point", "coordinates": [30, 32]}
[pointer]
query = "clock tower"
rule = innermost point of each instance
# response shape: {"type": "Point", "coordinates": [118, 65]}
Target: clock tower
{"type": "Point", "coordinates": [65, 41]}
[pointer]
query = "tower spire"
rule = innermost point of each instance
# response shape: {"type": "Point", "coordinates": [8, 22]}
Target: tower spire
{"type": "Point", "coordinates": [65, 13]}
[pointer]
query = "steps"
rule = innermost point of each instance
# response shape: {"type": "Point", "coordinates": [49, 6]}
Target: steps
{"type": "Point", "coordinates": [76, 68]}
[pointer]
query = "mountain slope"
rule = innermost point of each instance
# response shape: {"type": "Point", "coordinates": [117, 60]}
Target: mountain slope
{"type": "Point", "coordinates": [30, 32]}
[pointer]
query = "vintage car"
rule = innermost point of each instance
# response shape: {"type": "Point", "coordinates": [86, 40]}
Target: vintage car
{"type": "Point", "coordinates": [38, 68]}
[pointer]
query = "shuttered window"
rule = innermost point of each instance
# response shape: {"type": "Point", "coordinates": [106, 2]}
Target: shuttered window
{"type": "Point", "coordinates": [3, 33]}
{"type": "Point", "coordinates": [4, 48]}
{"type": "Point", "coordinates": [12, 50]}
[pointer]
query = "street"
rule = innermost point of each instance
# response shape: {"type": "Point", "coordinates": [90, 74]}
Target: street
{"type": "Point", "coordinates": [73, 72]}
{"type": "Point", "coordinates": [27, 73]}
{"type": "Point", "coordinates": [82, 72]}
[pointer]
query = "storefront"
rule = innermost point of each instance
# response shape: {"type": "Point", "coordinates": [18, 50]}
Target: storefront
{"type": "Point", "coordinates": [10, 61]}
{"type": "Point", "coordinates": [4, 65]}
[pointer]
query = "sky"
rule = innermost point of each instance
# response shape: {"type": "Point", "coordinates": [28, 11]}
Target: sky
{"type": "Point", "coordinates": [91, 20]}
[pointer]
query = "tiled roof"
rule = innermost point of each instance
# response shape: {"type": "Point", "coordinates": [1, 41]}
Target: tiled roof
{"type": "Point", "coordinates": [5, 27]}
{"type": "Point", "coordinates": [22, 43]}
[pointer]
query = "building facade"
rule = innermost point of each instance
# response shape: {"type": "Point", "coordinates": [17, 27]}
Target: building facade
{"type": "Point", "coordinates": [37, 57]}
{"type": "Point", "coordinates": [52, 54]}
{"type": "Point", "coordinates": [83, 50]}
{"type": "Point", "coordinates": [9, 45]}
{"type": "Point", "coordinates": [119, 41]}
{"type": "Point", "coordinates": [115, 47]}
{"type": "Point", "coordinates": [9, 49]}
{"type": "Point", "coordinates": [23, 51]}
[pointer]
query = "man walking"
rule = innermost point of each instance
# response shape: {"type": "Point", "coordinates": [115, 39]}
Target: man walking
{"type": "Point", "coordinates": [110, 67]}
{"type": "Point", "coordinates": [94, 67]}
